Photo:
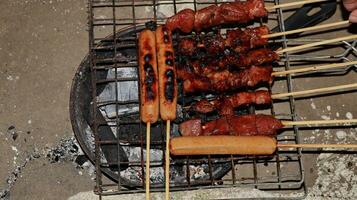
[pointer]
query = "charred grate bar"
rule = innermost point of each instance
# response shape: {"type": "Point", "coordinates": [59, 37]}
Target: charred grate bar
{"type": "Point", "coordinates": [113, 29]}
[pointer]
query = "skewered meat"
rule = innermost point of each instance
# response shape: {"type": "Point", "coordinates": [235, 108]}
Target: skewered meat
{"type": "Point", "coordinates": [149, 93]}
{"type": "Point", "coordinates": [238, 40]}
{"type": "Point", "coordinates": [241, 41]}
{"type": "Point", "coordinates": [225, 105]}
{"type": "Point", "coordinates": [167, 74]}
{"type": "Point", "coordinates": [183, 21]}
{"type": "Point", "coordinates": [245, 125]}
{"type": "Point", "coordinates": [226, 13]}
{"type": "Point", "coordinates": [225, 80]}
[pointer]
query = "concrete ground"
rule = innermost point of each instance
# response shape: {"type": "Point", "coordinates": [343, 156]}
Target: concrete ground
{"type": "Point", "coordinates": [41, 44]}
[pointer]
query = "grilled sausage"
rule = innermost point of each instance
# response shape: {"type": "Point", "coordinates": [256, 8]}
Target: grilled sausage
{"type": "Point", "coordinates": [167, 74]}
{"type": "Point", "coordinates": [218, 145]}
{"type": "Point", "coordinates": [149, 96]}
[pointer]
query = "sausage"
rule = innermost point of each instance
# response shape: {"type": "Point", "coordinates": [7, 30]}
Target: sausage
{"type": "Point", "coordinates": [167, 74]}
{"type": "Point", "coordinates": [149, 96]}
{"type": "Point", "coordinates": [220, 145]}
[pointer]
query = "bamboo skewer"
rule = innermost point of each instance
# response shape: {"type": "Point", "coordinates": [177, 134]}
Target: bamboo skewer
{"type": "Point", "coordinates": [306, 29]}
{"type": "Point", "coordinates": [297, 3]}
{"type": "Point", "coordinates": [314, 44]}
{"type": "Point", "coordinates": [319, 122]}
{"type": "Point", "coordinates": [316, 145]}
{"type": "Point", "coordinates": [315, 68]}
{"type": "Point", "coordinates": [147, 174]}
{"type": "Point", "coordinates": [167, 161]}
{"type": "Point", "coordinates": [314, 91]}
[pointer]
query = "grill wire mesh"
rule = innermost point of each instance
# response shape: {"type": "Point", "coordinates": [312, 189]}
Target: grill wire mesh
{"type": "Point", "coordinates": [108, 18]}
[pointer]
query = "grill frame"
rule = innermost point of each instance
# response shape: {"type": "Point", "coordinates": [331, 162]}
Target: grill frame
{"type": "Point", "coordinates": [116, 188]}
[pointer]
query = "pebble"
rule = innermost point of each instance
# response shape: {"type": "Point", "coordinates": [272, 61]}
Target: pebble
{"type": "Point", "coordinates": [328, 108]}
{"type": "Point", "coordinates": [325, 117]}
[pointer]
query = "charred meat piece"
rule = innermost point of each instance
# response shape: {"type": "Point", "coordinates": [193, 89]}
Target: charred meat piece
{"type": "Point", "coordinates": [225, 80]}
{"type": "Point", "coordinates": [245, 125]}
{"type": "Point", "coordinates": [182, 21]}
{"type": "Point", "coordinates": [241, 41]}
{"type": "Point", "coordinates": [226, 13]}
{"type": "Point", "coordinates": [187, 46]}
{"type": "Point", "coordinates": [225, 105]}
{"type": "Point", "coordinates": [238, 40]}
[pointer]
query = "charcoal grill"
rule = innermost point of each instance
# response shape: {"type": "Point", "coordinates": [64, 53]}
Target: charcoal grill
{"type": "Point", "coordinates": [113, 28]}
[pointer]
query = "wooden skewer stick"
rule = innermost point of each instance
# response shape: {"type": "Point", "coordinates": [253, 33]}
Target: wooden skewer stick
{"type": "Point", "coordinates": [167, 161]}
{"type": "Point", "coordinates": [314, 91]}
{"type": "Point", "coordinates": [306, 29]}
{"type": "Point", "coordinates": [314, 44]}
{"type": "Point", "coordinates": [296, 3]}
{"type": "Point", "coordinates": [147, 174]}
{"type": "Point", "coordinates": [316, 145]}
{"type": "Point", "coordinates": [315, 68]}
{"type": "Point", "coordinates": [319, 122]}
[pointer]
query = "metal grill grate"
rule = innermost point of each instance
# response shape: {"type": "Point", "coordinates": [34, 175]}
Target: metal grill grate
{"type": "Point", "coordinates": [113, 28]}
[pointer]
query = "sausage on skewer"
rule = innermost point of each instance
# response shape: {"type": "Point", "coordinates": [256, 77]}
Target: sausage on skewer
{"type": "Point", "coordinates": [149, 91]}
{"type": "Point", "coordinates": [167, 88]}
{"type": "Point", "coordinates": [167, 74]}
{"type": "Point", "coordinates": [149, 85]}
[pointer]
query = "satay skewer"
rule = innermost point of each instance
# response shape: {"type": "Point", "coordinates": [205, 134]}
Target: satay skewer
{"type": "Point", "coordinates": [312, 28]}
{"type": "Point", "coordinates": [315, 91]}
{"type": "Point", "coordinates": [239, 145]}
{"type": "Point", "coordinates": [313, 69]}
{"type": "Point", "coordinates": [167, 91]}
{"type": "Point", "coordinates": [149, 92]}
{"type": "Point", "coordinates": [296, 3]}
{"type": "Point", "coordinates": [314, 44]}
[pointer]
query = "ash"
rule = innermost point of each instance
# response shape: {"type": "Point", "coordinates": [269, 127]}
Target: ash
{"type": "Point", "coordinates": [336, 177]}
{"type": "Point", "coordinates": [68, 150]}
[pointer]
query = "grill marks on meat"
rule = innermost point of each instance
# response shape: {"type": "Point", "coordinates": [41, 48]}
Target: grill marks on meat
{"type": "Point", "coordinates": [225, 105]}
{"type": "Point", "coordinates": [245, 125]}
{"type": "Point", "coordinates": [226, 13]}
{"type": "Point", "coordinates": [225, 80]}
{"type": "Point", "coordinates": [237, 40]}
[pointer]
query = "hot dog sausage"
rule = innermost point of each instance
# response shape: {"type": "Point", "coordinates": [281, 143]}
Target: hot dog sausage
{"type": "Point", "coordinates": [217, 145]}
{"type": "Point", "coordinates": [167, 74]}
{"type": "Point", "coordinates": [149, 96]}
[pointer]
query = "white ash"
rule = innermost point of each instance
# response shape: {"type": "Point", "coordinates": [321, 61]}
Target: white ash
{"type": "Point", "coordinates": [349, 115]}
{"type": "Point", "coordinates": [336, 177]}
{"type": "Point", "coordinates": [341, 134]}
{"type": "Point", "coordinates": [325, 117]}
{"type": "Point", "coordinates": [337, 114]}
{"type": "Point", "coordinates": [313, 106]}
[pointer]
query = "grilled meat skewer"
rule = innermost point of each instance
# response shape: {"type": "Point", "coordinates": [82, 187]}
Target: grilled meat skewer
{"type": "Point", "coordinates": [238, 40]}
{"type": "Point", "coordinates": [225, 80]}
{"type": "Point", "coordinates": [214, 15]}
{"type": "Point", "coordinates": [225, 105]}
{"type": "Point", "coordinates": [245, 125]}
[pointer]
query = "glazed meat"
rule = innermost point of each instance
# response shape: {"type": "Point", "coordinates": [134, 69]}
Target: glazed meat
{"type": "Point", "coordinates": [243, 40]}
{"type": "Point", "coordinates": [187, 46]}
{"type": "Point", "coordinates": [238, 40]}
{"type": "Point", "coordinates": [225, 105]}
{"type": "Point", "coordinates": [182, 21]}
{"type": "Point", "coordinates": [244, 60]}
{"type": "Point", "coordinates": [226, 13]}
{"type": "Point", "coordinates": [245, 125]}
{"type": "Point", "coordinates": [225, 80]}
